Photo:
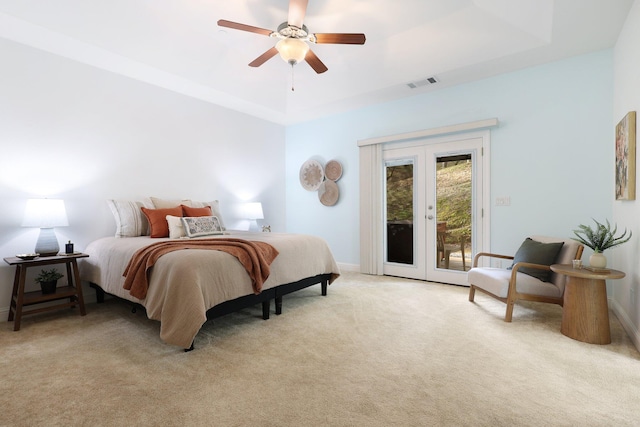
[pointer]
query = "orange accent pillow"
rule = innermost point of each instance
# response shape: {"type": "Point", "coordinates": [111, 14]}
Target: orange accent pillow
{"type": "Point", "coordinates": [189, 211]}
{"type": "Point", "coordinates": [158, 220]}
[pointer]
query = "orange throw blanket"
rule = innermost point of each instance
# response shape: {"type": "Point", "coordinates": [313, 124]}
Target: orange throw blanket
{"type": "Point", "coordinates": [256, 257]}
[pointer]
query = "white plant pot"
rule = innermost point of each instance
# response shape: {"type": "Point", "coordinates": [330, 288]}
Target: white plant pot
{"type": "Point", "coordinates": [598, 260]}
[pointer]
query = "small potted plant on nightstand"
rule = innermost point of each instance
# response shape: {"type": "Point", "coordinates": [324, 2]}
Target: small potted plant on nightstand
{"type": "Point", "coordinates": [599, 239]}
{"type": "Point", "coordinates": [48, 280]}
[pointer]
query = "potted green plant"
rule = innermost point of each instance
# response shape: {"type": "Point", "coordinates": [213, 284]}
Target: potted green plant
{"type": "Point", "coordinates": [599, 239]}
{"type": "Point", "coordinates": [48, 280]}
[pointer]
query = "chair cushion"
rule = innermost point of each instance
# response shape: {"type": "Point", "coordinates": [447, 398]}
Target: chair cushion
{"type": "Point", "coordinates": [496, 281]}
{"type": "Point", "coordinates": [537, 253]}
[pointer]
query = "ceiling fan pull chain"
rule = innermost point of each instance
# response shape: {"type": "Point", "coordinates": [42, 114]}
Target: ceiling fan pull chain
{"type": "Point", "coordinates": [292, 88]}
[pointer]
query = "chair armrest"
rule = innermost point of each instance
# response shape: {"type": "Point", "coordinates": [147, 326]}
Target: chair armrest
{"type": "Point", "coordinates": [517, 266]}
{"type": "Point", "coordinates": [521, 264]}
{"type": "Point", "coordinates": [488, 254]}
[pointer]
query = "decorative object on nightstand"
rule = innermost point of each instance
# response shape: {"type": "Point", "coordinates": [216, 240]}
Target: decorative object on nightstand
{"type": "Point", "coordinates": [48, 280]}
{"type": "Point", "coordinates": [600, 239]}
{"type": "Point", "coordinates": [27, 257]}
{"type": "Point", "coordinates": [46, 214]}
{"type": "Point", "coordinates": [266, 229]}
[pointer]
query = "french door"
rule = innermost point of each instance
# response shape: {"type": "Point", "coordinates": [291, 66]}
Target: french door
{"type": "Point", "coordinates": [433, 205]}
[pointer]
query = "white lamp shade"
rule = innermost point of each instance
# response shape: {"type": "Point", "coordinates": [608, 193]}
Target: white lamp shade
{"type": "Point", "coordinates": [292, 50]}
{"type": "Point", "coordinates": [45, 213]}
{"type": "Point", "coordinates": [253, 211]}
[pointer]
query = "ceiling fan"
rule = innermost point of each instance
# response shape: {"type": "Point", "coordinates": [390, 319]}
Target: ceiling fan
{"type": "Point", "coordinates": [293, 36]}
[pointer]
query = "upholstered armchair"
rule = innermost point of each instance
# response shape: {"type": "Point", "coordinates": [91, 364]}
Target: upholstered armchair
{"type": "Point", "coordinates": [529, 277]}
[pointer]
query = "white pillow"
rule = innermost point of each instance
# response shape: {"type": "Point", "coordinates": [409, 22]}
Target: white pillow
{"type": "Point", "coordinates": [196, 226]}
{"type": "Point", "coordinates": [130, 221]}
{"type": "Point", "coordinates": [176, 228]}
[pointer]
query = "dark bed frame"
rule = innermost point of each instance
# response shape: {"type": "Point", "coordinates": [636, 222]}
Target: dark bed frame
{"type": "Point", "coordinates": [276, 293]}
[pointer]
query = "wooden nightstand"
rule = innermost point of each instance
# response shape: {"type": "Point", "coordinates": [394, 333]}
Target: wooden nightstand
{"type": "Point", "coordinates": [20, 298]}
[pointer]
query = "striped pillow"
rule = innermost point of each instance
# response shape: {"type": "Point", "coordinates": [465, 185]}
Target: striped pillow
{"type": "Point", "coordinates": [130, 222]}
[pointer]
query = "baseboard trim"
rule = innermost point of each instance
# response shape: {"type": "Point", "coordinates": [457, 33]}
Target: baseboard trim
{"type": "Point", "coordinates": [349, 267]}
{"type": "Point", "coordinates": [626, 322]}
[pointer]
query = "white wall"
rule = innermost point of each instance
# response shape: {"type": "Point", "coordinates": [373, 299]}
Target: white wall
{"type": "Point", "coordinates": [552, 153]}
{"type": "Point", "coordinates": [626, 292]}
{"type": "Point", "coordinates": [75, 132]}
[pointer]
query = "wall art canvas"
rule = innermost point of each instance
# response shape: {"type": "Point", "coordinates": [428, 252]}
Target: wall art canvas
{"type": "Point", "coordinates": [626, 158]}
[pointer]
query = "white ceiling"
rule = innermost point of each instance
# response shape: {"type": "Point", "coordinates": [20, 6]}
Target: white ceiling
{"type": "Point", "coordinates": [176, 44]}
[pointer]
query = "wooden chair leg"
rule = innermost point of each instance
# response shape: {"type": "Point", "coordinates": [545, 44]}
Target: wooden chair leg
{"type": "Point", "coordinates": [472, 292]}
{"type": "Point", "coordinates": [509, 313]}
{"type": "Point", "coordinates": [447, 256]}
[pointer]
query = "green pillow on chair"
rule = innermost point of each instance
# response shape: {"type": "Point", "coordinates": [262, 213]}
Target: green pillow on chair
{"type": "Point", "coordinates": [537, 253]}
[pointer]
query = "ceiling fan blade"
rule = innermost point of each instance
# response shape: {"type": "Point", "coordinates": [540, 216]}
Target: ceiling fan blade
{"type": "Point", "coordinates": [340, 38]}
{"type": "Point", "coordinates": [244, 27]}
{"type": "Point", "coordinates": [264, 57]}
{"type": "Point", "coordinates": [297, 10]}
{"type": "Point", "coordinates": [315, 63]}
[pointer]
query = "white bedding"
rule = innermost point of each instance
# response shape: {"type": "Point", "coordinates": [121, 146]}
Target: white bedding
{"type": "Point", "coordinates": [184, 284]}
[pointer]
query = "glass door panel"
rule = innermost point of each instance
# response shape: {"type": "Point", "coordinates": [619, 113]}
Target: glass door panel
{"type": "Point", "coordinates": [454, 208]}
{"type": "Point", "coordinates": [404, 216]}
{"type": "Point", "coordinates": [399, 181]}
{"type": "Point", "coordinates": [455, 195]}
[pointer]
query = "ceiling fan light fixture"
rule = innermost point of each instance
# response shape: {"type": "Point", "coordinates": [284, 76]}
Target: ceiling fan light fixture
{"type": "Point", "coordinates": [292, 50]}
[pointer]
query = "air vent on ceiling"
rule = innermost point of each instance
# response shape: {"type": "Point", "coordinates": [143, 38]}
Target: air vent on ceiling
{"type": "Point", "coordinates": [425, 82]}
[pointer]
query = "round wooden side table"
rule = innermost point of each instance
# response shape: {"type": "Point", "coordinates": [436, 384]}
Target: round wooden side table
{"type": "Point", "coordinates": [585, 312]}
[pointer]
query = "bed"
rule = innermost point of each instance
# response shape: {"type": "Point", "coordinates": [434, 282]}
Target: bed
{"type": "Point", "coordinates": [186, 287]}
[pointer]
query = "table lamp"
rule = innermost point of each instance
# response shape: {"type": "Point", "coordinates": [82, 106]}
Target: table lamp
{"type": "Point", "coordinates": [253, 212]}
{"type": "Point", "coordinates": [46, 214]}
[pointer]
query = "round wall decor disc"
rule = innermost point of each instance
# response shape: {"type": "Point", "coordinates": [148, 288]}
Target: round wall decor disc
{"type": "Point", "coordinates": [328, 193]}
{"type": "Point", "coordinates": [311, 175]}
{"type": "Point", "coordinates": [333, 170]}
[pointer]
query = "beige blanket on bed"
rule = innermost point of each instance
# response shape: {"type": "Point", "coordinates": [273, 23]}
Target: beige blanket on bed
{"type": "Point", "coordinates": [255, 257]}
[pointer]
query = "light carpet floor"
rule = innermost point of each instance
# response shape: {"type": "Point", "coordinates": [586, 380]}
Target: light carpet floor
{"type": "Point", "coordinates": [377, 351]}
